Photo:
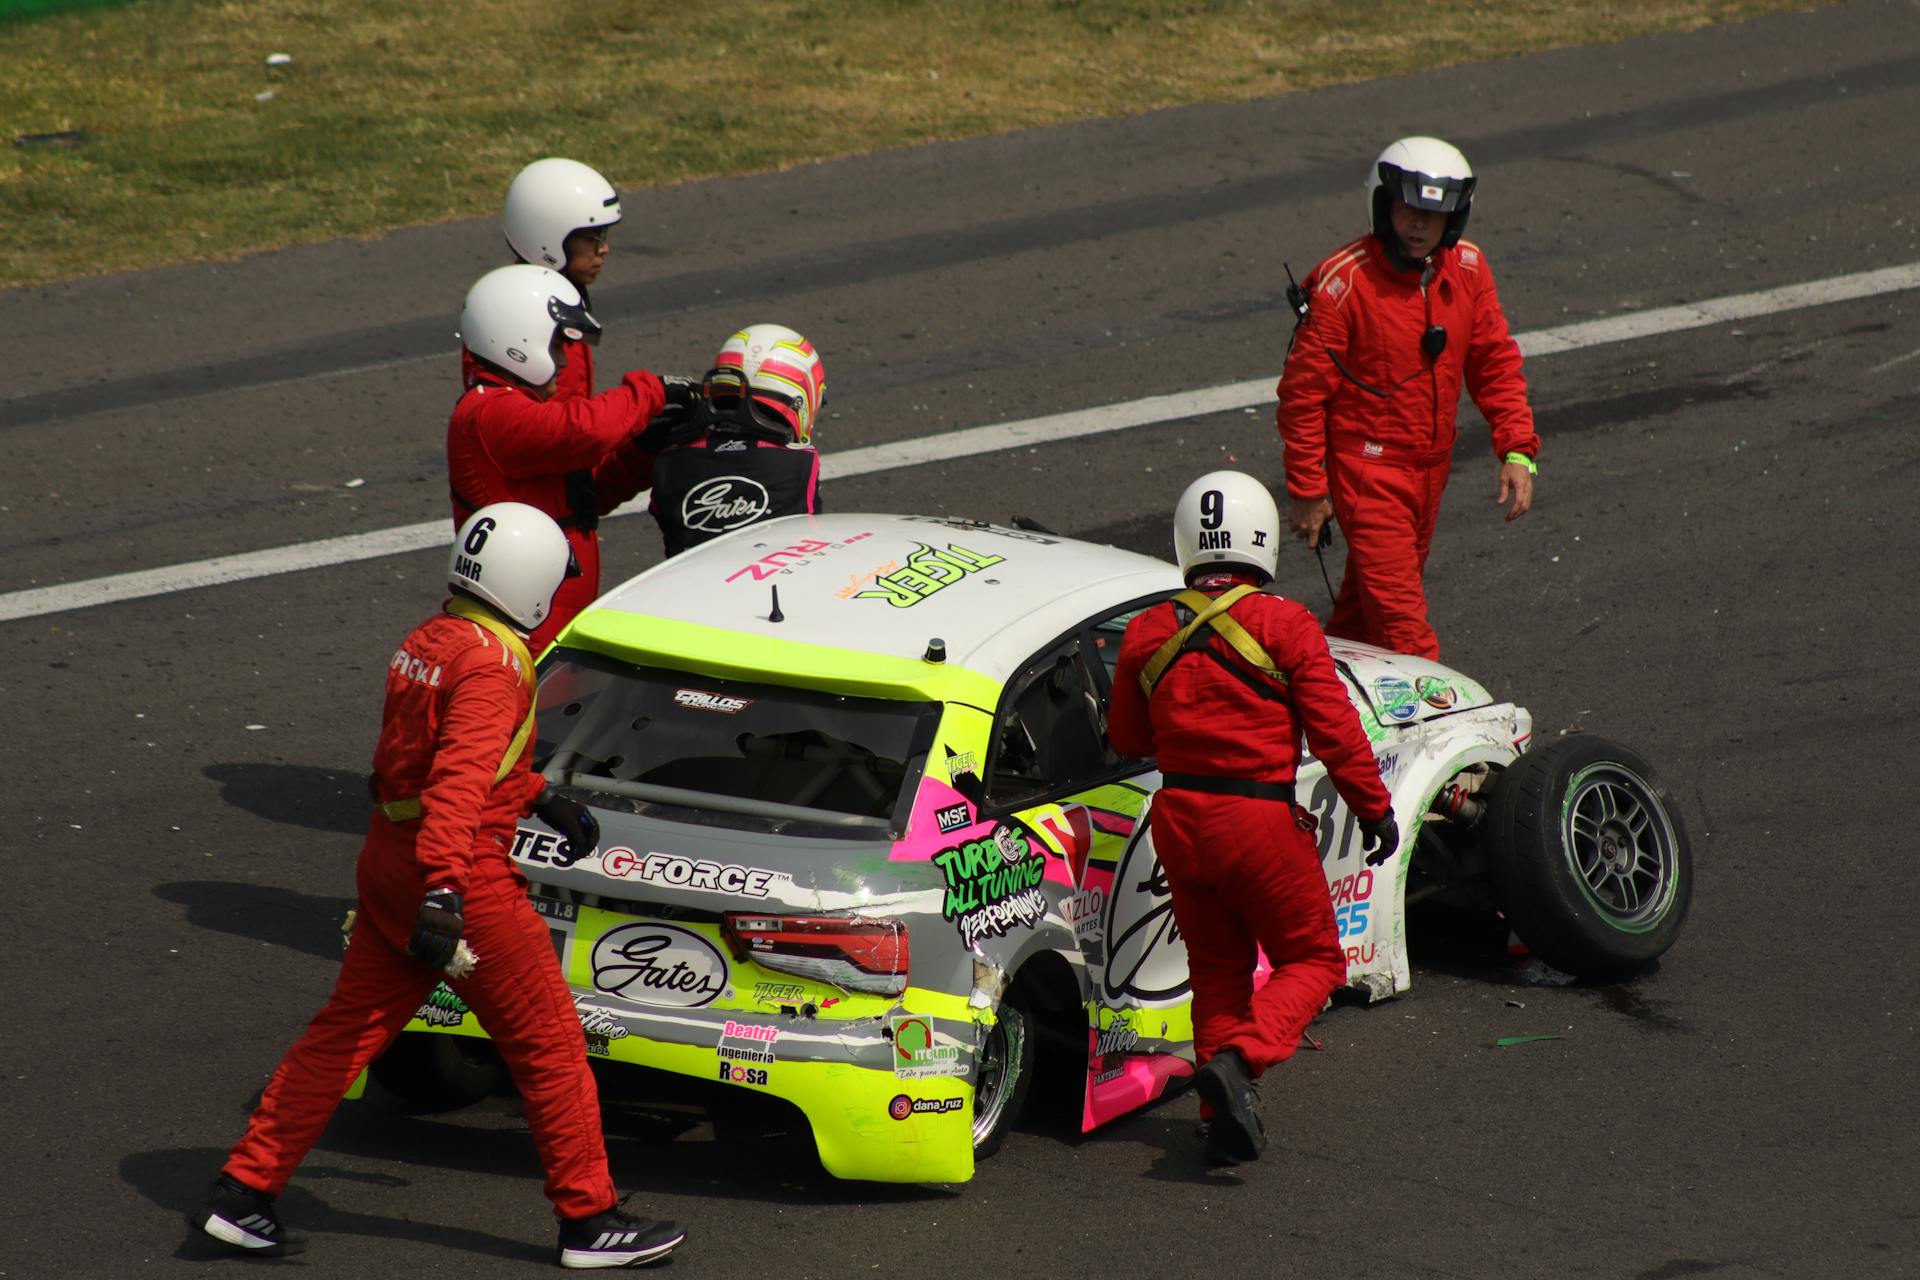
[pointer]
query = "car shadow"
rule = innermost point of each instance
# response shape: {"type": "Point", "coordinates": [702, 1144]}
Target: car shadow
{"type": "Point", "coordinates": [296, 795]}
{"type": "Point", "coordinates": [264, 913]}
{"type": "Point", "coordinates": [1473, 946]}
{"type": "Point", "coordinates": [665, 1134]}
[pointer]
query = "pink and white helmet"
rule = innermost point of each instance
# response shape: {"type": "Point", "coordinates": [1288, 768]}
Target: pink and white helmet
{"type": "Point", "coordinates": [783, 370]}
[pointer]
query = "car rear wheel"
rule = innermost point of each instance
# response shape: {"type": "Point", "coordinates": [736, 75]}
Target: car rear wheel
{"type": "Point", "coordinates": [1590, 861]}
{"type": "Point", "coordinates": [438, 1072]}
{"type": "Point", "coordinates": [1003, 1073]}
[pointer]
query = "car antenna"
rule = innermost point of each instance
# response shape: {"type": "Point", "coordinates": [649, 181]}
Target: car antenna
{"type": "Point", "coordinates": [776, 615]}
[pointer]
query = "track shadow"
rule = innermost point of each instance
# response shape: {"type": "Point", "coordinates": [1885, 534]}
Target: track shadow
{"type": "Point", "coordinates": [175, 1179]}
{"type": "Point", "coordinates": [1170, 1132]}
{"type": "Point", "coordinates": [295, 794]}
{"type": "Point", "coordinates": [264, 913]}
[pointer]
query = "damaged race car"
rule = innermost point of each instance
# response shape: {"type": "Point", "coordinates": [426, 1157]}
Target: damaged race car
{"type": "Point", "coordinates": [865, 843]}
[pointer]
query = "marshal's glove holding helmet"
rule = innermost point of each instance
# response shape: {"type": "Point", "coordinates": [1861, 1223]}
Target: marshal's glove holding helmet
{"type": "Point", "coordinates": [1380, 839]}
{"type": "Point", "coordinates": [682, 392]}
{"type": "Point", "coordinates": [436, 931]}
{"type": "Point", "coordinates": [572, 820]}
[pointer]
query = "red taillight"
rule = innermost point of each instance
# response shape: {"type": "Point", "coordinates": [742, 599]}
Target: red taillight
{"type": "Point", "coordinates": [856, 952]}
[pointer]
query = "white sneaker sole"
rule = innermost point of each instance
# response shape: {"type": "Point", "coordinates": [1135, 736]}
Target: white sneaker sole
{"type": "Point", "coordinates": [591, 1259]}
{"type": "Point", "coordinates": [239, 1237]}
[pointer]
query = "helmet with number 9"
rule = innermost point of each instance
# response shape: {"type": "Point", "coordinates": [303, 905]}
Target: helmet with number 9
{"type": "Point", "coordinates": [510, 317]}
{"type": "Point", "coordinates": [551, 199]}
{"type": "Point", "coordinates": [1425, 173]}
{"type": "Point", "coordinates": [1226, 518]}
{"type": "Point", "coordinates": [513, 557]}
{"type": "Point", "coordinates": [784, 372]}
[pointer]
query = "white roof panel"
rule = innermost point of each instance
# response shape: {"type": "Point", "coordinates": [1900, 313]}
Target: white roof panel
{"type": "Point", "coordinates": [887, 584]}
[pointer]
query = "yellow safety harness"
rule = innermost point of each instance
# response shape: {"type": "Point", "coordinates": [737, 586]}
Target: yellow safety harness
{"type": "Point", "coordinates": [409, 808]}
{"type": "Point", "coordinates": [1210, 613]}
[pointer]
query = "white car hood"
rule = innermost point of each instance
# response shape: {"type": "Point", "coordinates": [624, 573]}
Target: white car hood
{"type": "Point", "coordinates": [1402, 689]}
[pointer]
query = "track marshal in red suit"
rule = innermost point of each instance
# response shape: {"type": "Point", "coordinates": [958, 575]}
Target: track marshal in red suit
{"type": "Point", "coordinates": [513, 438]}
{"type": "Point", "coordinates": [439, 899]}
{"type": "Point", "coordinates": [1391, 327]}
{"type": "Point", "coordinates": [1218, 685]}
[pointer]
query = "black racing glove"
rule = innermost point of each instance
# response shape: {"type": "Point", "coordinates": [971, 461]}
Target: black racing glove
{"type": "Point", "coordinates": [436, 931]}
{"type": "Point", "coordinates": [669, 427]}
{"type": "Point", "coordinates": [682, 392]}
{"type": "Point", "coordinates": [1380, 839]}
{"type": "Point", "coordinates": [572, 820]}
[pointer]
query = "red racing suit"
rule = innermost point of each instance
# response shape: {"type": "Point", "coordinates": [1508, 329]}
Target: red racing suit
{"type": "Point", "coordinates": [1245, 872]}
{"type": "Point", "coordinates": [572, 458]}
{"type": "Point", "coordinates": [1377, 438]}
{"type": "Point", "coordinates": [455, 697]}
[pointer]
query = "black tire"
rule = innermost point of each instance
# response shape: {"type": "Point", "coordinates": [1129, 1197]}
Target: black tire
{"type": "Point", "coordinates": [1590, 860]}
{"type": "Point", "coordinates": [1003, 1074]}
{"type": "Point", "coordinates": [438, 1072]}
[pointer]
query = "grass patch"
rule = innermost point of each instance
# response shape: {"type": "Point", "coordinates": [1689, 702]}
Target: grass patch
{"type": "Point", "coordinates": [190, 147]}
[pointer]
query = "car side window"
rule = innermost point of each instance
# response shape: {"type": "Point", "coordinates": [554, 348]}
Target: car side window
{"type": "Point", "coordinates": [1052, 727]}
{"type": "Point", "coordinates": [1107, 635]}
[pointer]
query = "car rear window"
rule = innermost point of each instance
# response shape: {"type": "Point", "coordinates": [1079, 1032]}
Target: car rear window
{"type": "Point", "coordinates": [760, 754]}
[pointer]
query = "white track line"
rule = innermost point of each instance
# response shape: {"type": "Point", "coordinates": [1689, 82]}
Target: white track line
{"type": "Point", "coordinates": [947, 446]}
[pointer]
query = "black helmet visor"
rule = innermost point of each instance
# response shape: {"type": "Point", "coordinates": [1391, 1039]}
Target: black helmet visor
{"type": "Point", "coordinates": [1424, 191]}
{"type": "Point", "coordinates": [575, 321]}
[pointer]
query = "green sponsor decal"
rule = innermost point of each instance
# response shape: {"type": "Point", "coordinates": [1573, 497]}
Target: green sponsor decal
{"type": "Point", "coordinates": [443, 1008]}
{"type": "Point", "coordinates": [927, 570]}
{"type": "Point", "coordinates": [993, 884]}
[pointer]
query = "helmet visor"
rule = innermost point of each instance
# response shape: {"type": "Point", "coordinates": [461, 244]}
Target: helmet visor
{"type": "Point", "coordinates": [575, 321]}
{"type": "Point", "coordinates": [1425, 191]}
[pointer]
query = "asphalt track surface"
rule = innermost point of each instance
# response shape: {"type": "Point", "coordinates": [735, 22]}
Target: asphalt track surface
{"type": "Point", "coordinates": [1720, 571]}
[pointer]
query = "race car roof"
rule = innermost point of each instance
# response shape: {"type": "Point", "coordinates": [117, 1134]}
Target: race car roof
{"type": "Point", "coordinates": [879, 585]}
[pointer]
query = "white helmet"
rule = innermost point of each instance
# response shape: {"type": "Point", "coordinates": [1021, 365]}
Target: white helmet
{"type": "Point", "coordinates": [1226, 517]}
{"type": "Point", "coordinates": [511, 314]}
{"type": "Point", "coordinates": [514, 557]}
{"type": "Point", "coordinates": [780, 366]}
{"type": "Point", "coordinates": [1425, 173]}
{"type": "Point", "coordinates": [551, 199]}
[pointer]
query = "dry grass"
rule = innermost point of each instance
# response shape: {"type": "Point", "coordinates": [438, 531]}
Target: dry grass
{"type": "Point", "coordinates": [400, 114]}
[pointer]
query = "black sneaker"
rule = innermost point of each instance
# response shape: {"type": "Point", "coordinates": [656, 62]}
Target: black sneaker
{"type": "Point", "coordinates": [1235, 1134]}
{"type": "Point", "coordinates": [235, 1214]}
{"type": "Point", "coordinates": [1215, 1156]}
{"type": "Point", "coordinates": [616, 1239]}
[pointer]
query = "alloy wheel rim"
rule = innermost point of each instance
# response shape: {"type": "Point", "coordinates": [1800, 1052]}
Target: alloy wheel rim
{"type": "Point", "coordinates": [1621, 847]}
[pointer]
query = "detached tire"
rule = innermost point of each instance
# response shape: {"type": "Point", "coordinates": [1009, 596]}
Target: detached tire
{"type": "Point", "coordinates": [1004, 1073]}
{"type": "Point", "coordinates": [438, 1072]}
{"type": "Point", "coordinates": [1590, 861]}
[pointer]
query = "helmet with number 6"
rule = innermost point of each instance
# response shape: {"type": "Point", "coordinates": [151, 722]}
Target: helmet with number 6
{"type": "Point", "coordinates": [513, 557]}
{"type": "Point", "coordinates": [1226, 518]}
{"type": "Point", "coordinates": [1425, 173]}
{"type": "Point", "coordinates": [551, 199]}
{"type": "Point", "coordinates": [511, 314]}
{"type": "Point", "coordinates": [786, 375]}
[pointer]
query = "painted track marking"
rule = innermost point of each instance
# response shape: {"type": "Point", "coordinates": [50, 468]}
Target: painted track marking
{"type": "Point", "coordinates": [947, 446]}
